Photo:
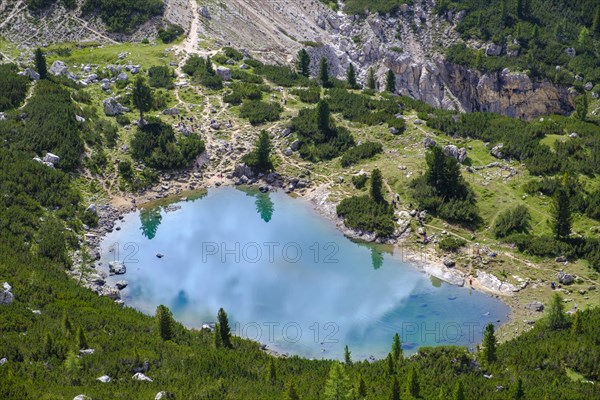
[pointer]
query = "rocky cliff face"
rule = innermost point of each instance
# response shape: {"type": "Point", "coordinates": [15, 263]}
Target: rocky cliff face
{"type": "Point", "coordinates": [411, 44]}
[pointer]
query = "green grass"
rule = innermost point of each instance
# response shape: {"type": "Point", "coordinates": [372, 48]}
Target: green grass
{"type": "Point", "coordinates": [145, 54]}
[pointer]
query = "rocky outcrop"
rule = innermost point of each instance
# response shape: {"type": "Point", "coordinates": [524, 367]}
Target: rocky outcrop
{"type": "Point", "coordinates": [112, 107]}
{"type": "Point", "coordinates": [490, 282]}
{"type": "Point", "coordinates": [459, 154]}
{"type": "Point", "coordinates": [6, 296]}
{"type": "Point", "coordinates": [564, 278]}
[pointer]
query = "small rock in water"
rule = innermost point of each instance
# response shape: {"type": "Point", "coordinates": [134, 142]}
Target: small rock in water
{"type": "Point", "coordinates": [160, 255]}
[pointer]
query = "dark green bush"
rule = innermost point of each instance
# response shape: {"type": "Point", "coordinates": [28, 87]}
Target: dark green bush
{"type": "Point", "coordinates": [13, 87]}
{"type": "Point", "coordinates": [361, 152]}
{"type": "Point", "coordinates": [512, 220]}
{"type": "Point", "coordinates": [160, 77]}
{"type": "Point", "coordinates": [365, 214]}
{"type": "Point", "coordinates": [312, 95]}
{"type": "Point", "coordinates": [123, 16]}
{"type": "Point", "coordinates": [259, 112]}
{"type": "Point", "coordinates": [170, 33]}
{"type": "Point", "coordinates": [359, 181]}
{"type": "Point", "coordinates": [451, 243]}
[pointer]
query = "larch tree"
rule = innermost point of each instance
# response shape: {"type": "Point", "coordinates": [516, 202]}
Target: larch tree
{"type": "Point", "coordinates": [397, 348]}
{"type": "Point", "coordinates": [337, 386]}
{"type": "Point", "coordinates": [142, 97]}
{"type": "Point", "coordinates": [347, 358]}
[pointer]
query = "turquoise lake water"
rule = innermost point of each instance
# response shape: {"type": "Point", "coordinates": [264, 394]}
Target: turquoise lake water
{"type": "Point", "coordinates": [288, 279]}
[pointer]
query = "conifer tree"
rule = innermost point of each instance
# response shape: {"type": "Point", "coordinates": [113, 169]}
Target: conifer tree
{"type": "Point", "coordinates": [361, 389]}
{"type": "Point", "coordinates": [412, 384]}
{"type": "Point", "coordinates": [337, 386]}
{"type": "Point", "coordinates": [271, 373]}
{"type": "Point", "coordinates": [164, 322]}
{"type": "Point", "coordinates": [40, 63]}
{"type": "Point", "coordinates": [217, 336]}
{"type": "Point", "coordinates": [351, 76]}
{"type": "Point", "coordinates": [142, 97]}
{"type": "Point", "coordinates": [489, 344]}
{"type": "Point", "coordinates": [395, 389]}
{"type": "Point", "coordinates": [561, 211]}
{"type": "Point", "coordinates": [576, 327]}
{"type": "Point", "coordinates": [397, 348]}
{"type": "Point", "coordinates": [518, 392]}
{"type": "Point", "coordinates": [390, 364]}
{"type": "Point", "coordinates": [224, 330]}
{"type": "Point", "coordinates": [390, 82]}
{"type": "Point", "coordinates": [66, 323]}
{"type": "Point", "coordinates": [459, 391]}
{"type": "Point", "coordinates": [323, 117]}
{"type": "Point", "coordinates": [556, 313]}
{"type": "Point", "coordinates": [347, 358]}
{"type": "Point", "coordinates": [371, 81]}
{"type": "Point", "coordinates": [596, 22]}
{"type": "Point", "coordinates": [81, 339]}
{"type": "Point", "coordinates": [324, 73]}
{"type": "Point", "coordinates": [291, 393]}
{"type": "Point", "coordinates": [377, 186]}
{"type": "Point", "coordinates": [303, 63]}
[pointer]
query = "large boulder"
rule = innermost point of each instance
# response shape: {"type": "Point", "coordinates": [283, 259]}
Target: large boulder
{"type": "Point", "coordinates": [224, 73]}
{"type": "Point", "coordinates": [493, 49]}
{"type": "Point", "coordinates": [429, 143]}
{"type": "Point", "coordinates": [564, 278]}
{"type": "Point", "coordinates": [104, 379]}
{"type": "Point", "coordinates": [535, 306]}
{"type": "Point", "coordinates": [204, 12]}
{"type": "Point", "coordinates": [59, 68]}
{"type": "Point", "coordinates": [243, 170]}
{"type": "Point", "coordinates": [121, 284]}
{"type": "Point", "coordinates": [497, 152]}
{"type": "Point", "coordinates": [117, 268]}
{"type": "Point", "coordinates": [34, 76]}
{"type": "Point", "coordinates": [460, 154]}
{"type": "Point", "coordinates": [112, 107]}
{"type": "Point", "coordinates": [122, 77]}
{"type": "Point", "coordinates": [6, 296]}
{"type": "Point", "coordinates": [295, 146]}
{"type": "Point", "coordinates": [171, 111]}
{"type": "Point", "coordinates": [51, 158]}
{"type": "Point", "coordinates": [141, 377]}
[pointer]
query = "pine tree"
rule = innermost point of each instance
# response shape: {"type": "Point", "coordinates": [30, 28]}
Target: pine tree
{"type": "Point", "coordinates": [397, 348]}
{"type": "Point", "coordinates": [271, 373]}
{"type": "Point", "coordinates": [72, 365]}
{"type": "Point", "coordinates": [351, 76]}
{"type": "Point", "coordinates": [324, 73]}
{"type": "Point", "coordinates": [347, 358]}
{"type": "Point", "coordinates": [596, 22]}
{"type": "Point", "coordinates": [503, 9]}
{"type": "Point", "coordinates": [459, 391]}
{"type": "Point", "coordinates": [49, 350]}
{"type": "Point", "coordinates": [556, 313]}
{"type": "Point", "coordinates": [390, 82]}
{"type": "Point", "coordinates": [217, 336]}
{"type": "Point", "coordinates": [261, 156]}
{"type": "Point", "coordinates": [337, 386]}
{"type": "Point", "coordinates": [303, 63]}
{"type": "Point", "coordinates": [323, 117]}
{"type": "Point", "coordinates": [561, 212]}
{"type": "Point", "coordinates": [576, 327]}
{"type": "Point", "coordinates": [40, 63]}
{"type": "Point", "coordinates": [361, 390]}
{"type": "Point", "coordinates": [164, 322]}
{"type": "Point", "coordinates": [81, 339]}
{"type": "Point", "coordinates": [522, 9]}
{"type": "Point", "coordinates": [209, 66]}
{"type": "Point", "coordinates": [224, 330]}
{"type": "Point", "coordinates": [582, 107]}
{"type": "Point", "coordinates": [412, 385]}
{"type": "Point", "coordinates": [443, 395]}
{"type": "Point", "coordinates": [142, 97]}
{"type": "Point", "coordinates": [395, 390]}
{"type": "Point", "coordinates": [489, 344]}
{"type": "Point", "coordinates": [518, 393]}
{"type": "Point", "coordinates": [371, 81]}
{"type": "Point", "coordinates": [390, 364]}
{"type": "Point", "coordinates": [377, 186]}
{"type": "Point", "coordinates": [66, 323]}
{"type": "Point", "coordinates": [584, 37]}
{"type": "Point", "coordinates": [291, 393]}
